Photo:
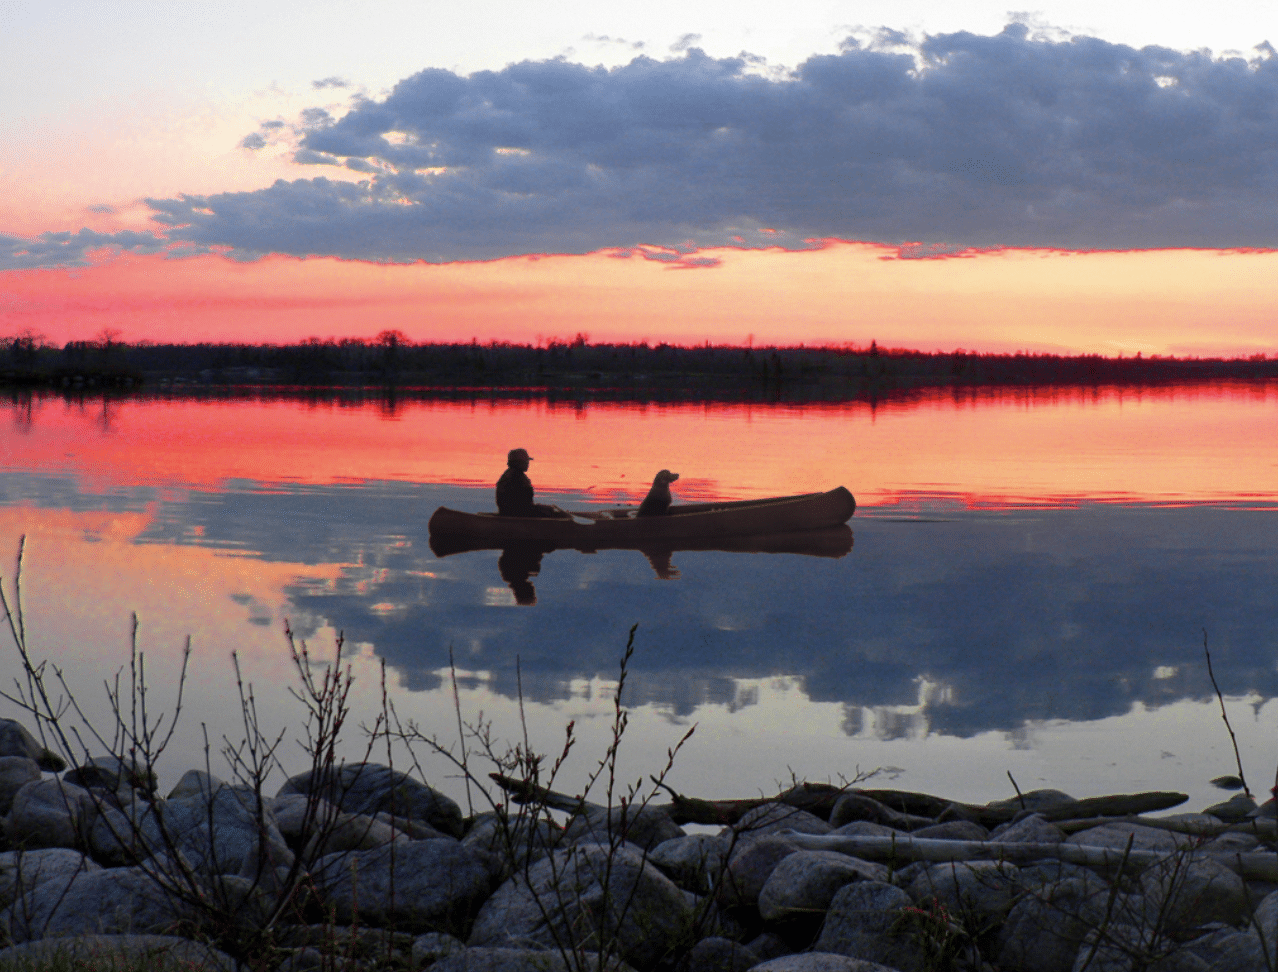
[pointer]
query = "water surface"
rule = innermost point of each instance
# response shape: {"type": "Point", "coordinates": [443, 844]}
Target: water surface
{"type": "Point", "coordinates": [1028, 591]}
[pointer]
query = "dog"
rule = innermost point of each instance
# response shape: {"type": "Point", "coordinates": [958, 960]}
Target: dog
{"type": "Point", "coordinates": [657, 501]}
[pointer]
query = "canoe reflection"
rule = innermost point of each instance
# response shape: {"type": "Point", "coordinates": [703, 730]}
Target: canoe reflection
{"type": "Point", "coordinates": [520, 560]}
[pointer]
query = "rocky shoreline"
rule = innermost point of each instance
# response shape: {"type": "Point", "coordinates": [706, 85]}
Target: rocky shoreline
{"type": "Point", "coordinates": [365, 867]}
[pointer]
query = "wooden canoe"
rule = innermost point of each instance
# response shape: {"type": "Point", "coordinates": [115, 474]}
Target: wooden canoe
{"type": "Point", "coordinates": [597, 529]}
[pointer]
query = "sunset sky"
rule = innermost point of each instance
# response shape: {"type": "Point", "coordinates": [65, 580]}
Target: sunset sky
{"type": "Point", "coordinates": [1086, 176]}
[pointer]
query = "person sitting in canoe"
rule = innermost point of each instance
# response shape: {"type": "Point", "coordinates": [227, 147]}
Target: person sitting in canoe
{"type": "Point", "coordinates": [657, 502]}
{"type": "Point", "coordinates": [515, 489]}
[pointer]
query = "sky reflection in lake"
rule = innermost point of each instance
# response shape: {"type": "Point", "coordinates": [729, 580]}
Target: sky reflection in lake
{"type": "Point", "coordinates": [994, 614]}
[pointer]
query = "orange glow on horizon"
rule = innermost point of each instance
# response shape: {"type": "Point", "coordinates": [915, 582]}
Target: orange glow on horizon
{"type": "Point", "coordinates": [1186, 302]}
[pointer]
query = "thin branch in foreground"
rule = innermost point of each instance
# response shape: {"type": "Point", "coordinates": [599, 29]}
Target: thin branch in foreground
{"type": "Point", "coordinates": [1225, 716]}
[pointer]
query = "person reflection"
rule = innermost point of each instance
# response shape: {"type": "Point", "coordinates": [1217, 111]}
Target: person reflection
{"type": "Point", "coordinates": [659, 558]}
{"type": "Point", "coordinates": [517, 563]}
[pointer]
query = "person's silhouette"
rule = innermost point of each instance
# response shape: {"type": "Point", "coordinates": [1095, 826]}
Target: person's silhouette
{"type": "Point", "coordinates": [515, 489]}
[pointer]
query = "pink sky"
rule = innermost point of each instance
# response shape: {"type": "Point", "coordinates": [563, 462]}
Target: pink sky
{"type": "Point", "coordinates": [1157, 302]}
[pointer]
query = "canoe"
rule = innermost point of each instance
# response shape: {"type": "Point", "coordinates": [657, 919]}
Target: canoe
{"type": "Point", "coordinates": [595, 529]}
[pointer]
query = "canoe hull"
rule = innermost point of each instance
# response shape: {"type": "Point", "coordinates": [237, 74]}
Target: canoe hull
{"type": "Point", "coordinates": [702, 521]}
{"type": "Point", "coordinates": [825, 542]}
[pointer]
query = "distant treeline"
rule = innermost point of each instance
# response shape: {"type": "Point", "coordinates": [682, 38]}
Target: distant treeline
{"type": "Point", "coordinates": [643, 370]}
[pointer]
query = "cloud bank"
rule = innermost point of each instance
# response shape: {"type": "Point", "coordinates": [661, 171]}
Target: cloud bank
{"type": "Point", "coordinates": [956, 140]}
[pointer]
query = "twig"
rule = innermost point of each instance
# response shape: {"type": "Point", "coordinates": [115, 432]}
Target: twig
{"type": "Point", "coordinates": [1225, 716]}
{"type": "Point", "coordinates": [1019, 795]}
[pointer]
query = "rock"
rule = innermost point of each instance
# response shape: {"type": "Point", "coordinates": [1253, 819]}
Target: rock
{"type": "Point", "coordinates": [954, 830]}
{"type": "Point", "coordinates": [749, 868]}
{"type": "Point", "coordinates": [774, 818]}
{"type": "Point", "coordinates": [513, 840]}
{"type": "Point", "coordinates": [50, 813]}
{"type": "Point", "coordinates": [217, 834]}
{"type": "Point", "coordinates": [692, 862]}
{"type": "Point", "coordinates": [1188, 892]}
{"type": "Point", "coordinates": [357, 942]}
{"type": "Point", "coordinates": [806, 882]}
{"type": "Point", "coordinates": [645, 827]}
{"type": "Point", "coordinates": [1033, 829]}
{"type": "Point", "coordinates": [1126, 948]}
{"type": "Point", "coordinates": [819, 962]}
{"type": "Point", "coordinates": [769, 946]}
{"type": "Point", "coordinates": [522, 960]}
{"type": "Point", "coordinates": [351, 832]}
{"type": "Point", "coordinates": [854, 806]}
{"type": "Point", "coordinates": [298, 818]}
{"type": "Point", "coordinates": [1116, 835]}
{"type": "Point", "coordinates": [26, 869]}
{"type": "Point", "coordinates": [15, 773]}
{"type": "Point", "coordinates": [867, 921]}
{"type": "Point", "coordinates": [1232, 844]}
{"type": "Point", "coordinates": [418, 886]}
{"type": "Point", "coordinates": [371, 788]}
{"type": "Point", "coordinates": [117, 901]}
{"type": "Point", "coordinates": [1033, 800]}
{"type": "Point", "coordinates": [157, 953]}
{"type": "Point", "coordinates": [1045, 928]}
{"type": "Point", "coordinates": [307, 960]}
{"type": "Point", "coordinates": [1234, 810]}
{"type": "Point", "coordinates": [974, 894]}
{"type": "Point", "coordinates": [587, 895]}
{"type": "Point", "coordinates": [112, 773]}
{"type": "Point", "coordinates": [434, 946]}
{"type": "Point", "coordinates": [16, 741]}
{"type": "Point", "coordinates": [718, 955]}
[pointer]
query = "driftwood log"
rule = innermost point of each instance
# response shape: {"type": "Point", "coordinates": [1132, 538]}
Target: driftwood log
{"type": "Point", "coordinates": [917, 809]}
{"type": "Point", "coordinates": [1254, 865]}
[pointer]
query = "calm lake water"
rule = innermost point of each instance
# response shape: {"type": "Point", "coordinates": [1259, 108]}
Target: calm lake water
{"type": "Point", "coordinates": [1030, 582]}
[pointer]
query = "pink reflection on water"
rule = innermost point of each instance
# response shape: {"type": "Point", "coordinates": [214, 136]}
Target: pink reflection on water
{"type": "Point", "coordinates": [994, 448]}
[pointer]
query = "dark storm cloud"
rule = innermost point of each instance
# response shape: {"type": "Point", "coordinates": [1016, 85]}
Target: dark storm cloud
{"type": "Point", "coordinates": [955, 141]}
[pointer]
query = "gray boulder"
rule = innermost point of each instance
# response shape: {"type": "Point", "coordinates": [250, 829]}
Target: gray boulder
{"type": "Point", "coordinates": [644, 827]}
{"type": "Point", "coordinates": [513, 840]}
{"type": "Point", "coordinates": [214, 830]}
{"type": "Point", "coordinates": [1033, 800]}
{"type": "Point", "coordinates": [866, 828]}
{"type": "Point", "coordinates": [1045, 928]}
{"type": "Point", "coordinates": [855, 806]}
{"type": "Point", "coordinates": [434, 946]}
{"type": "Point", "coordinates": [820, 962]}
{"type": "Point", "coordinates": [15, 773]}
{"type": "Point", "coordinates": [116, 901]}
{"type": "Point", "coordinates": [586, 896]}
{"type": "Point", "coordinates": [1116, 835]}
{"type": "Point", "coordinates": [1034, 829]}
{"type": "Point", "coordinates": [1188, 892]}
{"type": "Point", "coordinates": [1130, 948]}
{"type": "Point", "coordinates": [954, 830]}
{"type": "Point", "coordinates": [15, 740]}
{"type": "Point", "coordinates": [806, 882]}
{"type": "Point", "coordinates": [23, 870]}
{"type": "Point", "coordinates": [867, 921]}
{"type": "Point", "coordinates": [371, 788]}
{"type": "Point", "coordinates": [749, 867]}
{"type": "Point", "coordinates": [159, 953]}
{"type": "Point", "coordinates": [775, 818]}
{"type": "Point", "coordinates": [521, 960]}
{"type": "Point", "coordinates": [718, 955]}
{"type": "Point", "coordinates": [418, 886]}
{"type": "Point", "coordinates": [692, 862]}
{"type": "Point", "coordinates": [112, 773]}
{"type": "Point", "coordinates": [50, 813]}
{"type": "Point", "coordinates": [975, 894]}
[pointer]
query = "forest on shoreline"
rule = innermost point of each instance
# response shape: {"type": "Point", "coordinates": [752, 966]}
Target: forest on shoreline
{"type": "Point", "coordinates": [582, 368]}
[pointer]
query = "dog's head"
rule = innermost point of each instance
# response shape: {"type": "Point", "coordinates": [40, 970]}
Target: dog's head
{"type": "Point", "coordinates": [664, 478]}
